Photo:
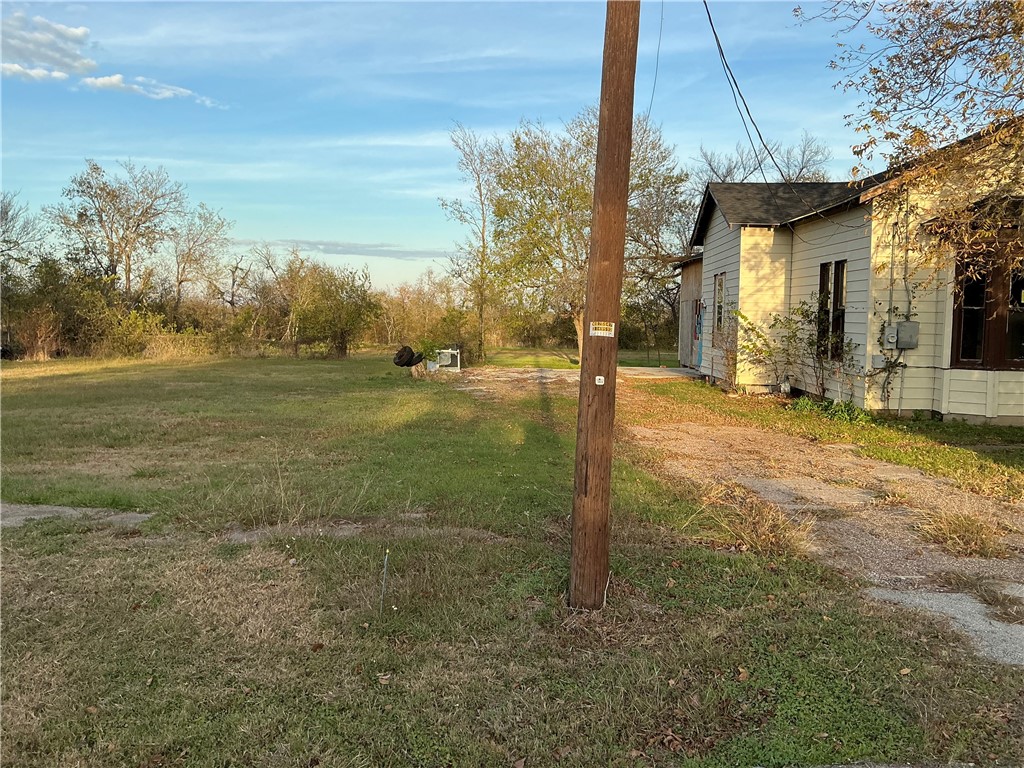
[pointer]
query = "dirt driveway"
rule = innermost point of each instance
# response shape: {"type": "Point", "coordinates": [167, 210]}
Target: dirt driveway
{"type": "Point", "coordinates": [861, 513]}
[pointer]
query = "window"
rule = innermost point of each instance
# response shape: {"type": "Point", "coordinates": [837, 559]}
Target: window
{"type": "Point", "coordinates": [988, 319]}
{"type": "Point", "coordinates": [719, 325]}
{"type": "Point", "coordinates": [831, 309]}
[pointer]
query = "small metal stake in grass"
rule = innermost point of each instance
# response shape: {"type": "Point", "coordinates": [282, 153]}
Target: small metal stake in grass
{"type": "Point", "coordinates": [383, 583]}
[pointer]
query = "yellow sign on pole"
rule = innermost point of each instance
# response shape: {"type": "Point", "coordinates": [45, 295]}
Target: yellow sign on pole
{"type": "Point", "coordinates": [602, 329]}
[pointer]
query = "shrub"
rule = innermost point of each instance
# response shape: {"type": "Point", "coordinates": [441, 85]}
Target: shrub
{"type": "Point", "coordinates": [837, 410]}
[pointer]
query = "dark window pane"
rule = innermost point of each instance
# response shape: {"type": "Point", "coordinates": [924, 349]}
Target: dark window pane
{"type": "Point", "coordinates": [824, 308]}
{"type": "Point", "coordinates": [838, 310]}
{"type": "Point", "coordinates": [824, 281]}
{"type": "Point", "coordinates": [838, 333]}
{"type": "Point", "coordinates": [1015, 332]}
{"type": "Point", "coordinates": [1017, 291]}
{"type": "Point", "coordinates": [971, 333]}
{"type": "Point", "coordinates": [974, 292]}
{"type": "Point", "coordinates": [839, 286]}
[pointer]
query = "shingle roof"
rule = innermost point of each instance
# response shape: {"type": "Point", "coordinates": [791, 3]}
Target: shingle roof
{"type": "Point", "coordinates": [775, 204]}
{"type": "Point", "coordinates": [772, 205]}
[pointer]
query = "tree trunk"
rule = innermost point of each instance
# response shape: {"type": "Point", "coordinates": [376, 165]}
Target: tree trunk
{"type": "Point", "coordinates": [341, 346]}
{"type": "Point", "coordinates": [481, 355]}
{"type": "Point", "coordinates": [577, 322]}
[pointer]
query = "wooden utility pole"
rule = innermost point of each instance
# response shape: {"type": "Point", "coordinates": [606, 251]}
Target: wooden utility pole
{"type": "Point", "coordinates": [588, 576]}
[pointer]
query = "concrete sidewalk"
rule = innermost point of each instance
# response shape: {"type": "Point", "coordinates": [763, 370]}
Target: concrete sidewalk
{"type": "Point", "coordinates": [637, 372]}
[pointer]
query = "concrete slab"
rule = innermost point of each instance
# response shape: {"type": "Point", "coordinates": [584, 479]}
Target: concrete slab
{"type": "Point", "coordinates": [637, 372]}
{"type": "Point", "coordinates": [993, 639]}
{"type": "Point", "coordinates": [785, 491]}
{"type": "Point", "coordinates": [12, 515]}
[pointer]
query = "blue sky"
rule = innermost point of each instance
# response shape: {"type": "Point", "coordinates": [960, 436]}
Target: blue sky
{"type": "Point", "coordinates": [325, 125]}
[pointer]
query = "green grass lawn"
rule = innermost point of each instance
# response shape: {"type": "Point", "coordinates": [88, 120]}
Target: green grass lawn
{"type": "Point", "coordinates": [170, 645]}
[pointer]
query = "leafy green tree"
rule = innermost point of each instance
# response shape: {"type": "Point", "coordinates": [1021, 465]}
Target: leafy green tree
{"type": "Point", "coordinates": [301, 301]}
{"type": "Point", "coordinates": [545, 182]}
{"type": "Point", "coordinates": [333, 306]}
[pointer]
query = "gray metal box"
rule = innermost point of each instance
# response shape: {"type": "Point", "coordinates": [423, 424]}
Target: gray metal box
{"type": "Point", "coordinates": [906, 334]}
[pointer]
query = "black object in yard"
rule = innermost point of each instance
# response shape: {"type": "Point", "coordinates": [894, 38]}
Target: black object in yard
{"type": "Point", "coordinates": [403, 356]}
{"type": "Point", "coordinates": [406, 358]}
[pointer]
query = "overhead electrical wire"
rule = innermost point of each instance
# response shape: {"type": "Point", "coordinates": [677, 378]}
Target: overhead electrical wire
{"type": "Point", "coordinates": [657, 61]}
{"type": "Point", "coordinates": [737, 97]}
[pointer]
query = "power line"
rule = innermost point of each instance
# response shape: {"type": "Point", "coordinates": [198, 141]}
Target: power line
{"type": "Point", "coordinates": [737, 97]}
{"type": "Point", "coordinates": [657, 59]}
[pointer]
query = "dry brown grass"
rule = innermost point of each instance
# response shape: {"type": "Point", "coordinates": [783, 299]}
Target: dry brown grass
{"type": "Point", "coordinates": [260, 597]}
{"type": "Point", "coordinates": [962, 533]}
{"type": "Point", "coordinates": [756, 525]}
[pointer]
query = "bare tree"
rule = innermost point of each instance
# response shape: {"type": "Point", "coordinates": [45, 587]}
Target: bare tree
{"type": "Point", "coordinates": [804, 161]}
{"type": "Point", "coordinates": [197, 243]}
{"type": "Point", "coordinates": [807, 160]}
{"type": "Point", "coordinates": [474, 262]}
{"type": "Point", "coordinates": [115, 222]}
{"type": "Point", "coordinates": [19, 229]}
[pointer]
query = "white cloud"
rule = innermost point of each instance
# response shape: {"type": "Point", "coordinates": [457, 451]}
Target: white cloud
{"type": "Point", "coordinates": [39, 49]}
{"type": "Point", "coordinates": [145, 86]}
{"type": "Point", "coordinates": [353, 249]}
{"type": "Point", "coordinates": [35, 73]}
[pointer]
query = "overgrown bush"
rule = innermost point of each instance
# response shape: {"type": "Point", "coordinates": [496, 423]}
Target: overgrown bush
{"type": "Point", "coordinates": [128, 335]}
{"type": "Point", "coordinates": [838, 410]}
{"type": "Point", "coordinates": [798, 343]}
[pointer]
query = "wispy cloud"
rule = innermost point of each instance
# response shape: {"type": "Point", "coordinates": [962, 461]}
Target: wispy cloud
{"type": "Point", "coordinates": [145, 86]}
{"type": "Point", "coordinates": [349, 249]}
{"type": "Point", "coordinates": [38, 49]}
{"type": "Point", "coordinates": [418, 140]}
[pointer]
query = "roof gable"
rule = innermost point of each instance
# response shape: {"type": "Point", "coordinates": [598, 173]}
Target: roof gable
{"type": "Point", "coordinates": [773, 204]}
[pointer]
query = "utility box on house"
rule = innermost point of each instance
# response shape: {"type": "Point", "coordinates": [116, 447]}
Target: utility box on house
{"type": "Point", "coordinates": [906, 334]}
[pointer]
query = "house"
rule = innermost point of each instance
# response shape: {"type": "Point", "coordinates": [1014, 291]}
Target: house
{"type": "Point", "coordinates": [893, 333]}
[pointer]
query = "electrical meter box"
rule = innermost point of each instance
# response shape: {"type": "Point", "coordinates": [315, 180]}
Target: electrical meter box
{"type": "Point", "coordinates": [907, 333]}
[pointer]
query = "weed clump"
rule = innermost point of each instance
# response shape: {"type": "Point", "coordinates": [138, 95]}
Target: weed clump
{"type": "Point", "coordinates": [757, 526]}
{"type": "Point", "coordinates": [961, 533]}
{"type": "Point", "coordinates": [842, 411]}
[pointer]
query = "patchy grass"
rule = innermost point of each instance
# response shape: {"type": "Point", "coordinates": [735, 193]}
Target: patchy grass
{"type": "Point", "coordinates": [980, 458]}
{"type": "Point", "coordinates": [180, 647]}
{"type": "Point", "coordinates": [760, 526]}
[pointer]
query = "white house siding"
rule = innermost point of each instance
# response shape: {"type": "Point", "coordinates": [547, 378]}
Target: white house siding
{"type": "Point", "coordinates": [927, 383]}
{"type": "Point", "coordinates": [721, 254]}
{"type": "Point", "coordinates": [763, 287]}
{"type": "Point", "coordinates": [968, 392]}
{"type": "Point", "coordinates": [843, 235]}
{"type": "Point", "coordinates": [1010, 391]}
{"type": "Point", "coordinates": [920, 385]}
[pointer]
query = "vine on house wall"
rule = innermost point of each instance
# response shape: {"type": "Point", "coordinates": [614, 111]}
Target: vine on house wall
{"type": "Point", "coordinates": [800, 344]}
{"type": "Point", "coordinates": [907, 261]}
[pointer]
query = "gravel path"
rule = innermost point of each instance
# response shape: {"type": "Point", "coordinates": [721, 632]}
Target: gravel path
{"type": "Point", "coordinates": [861, 511]}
